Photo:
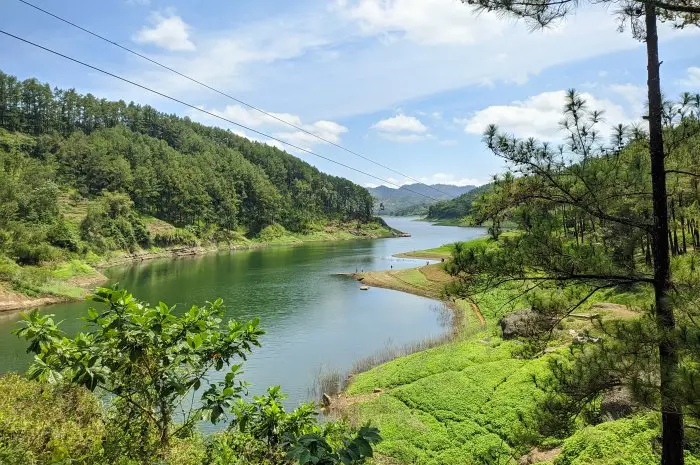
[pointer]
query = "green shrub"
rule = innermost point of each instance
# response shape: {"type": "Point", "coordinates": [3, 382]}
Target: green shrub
{"type": "Point", "coordinates": [176, 236]}
{"type": "Point", "coordinates": [152, 366]}
{"type": "Point", "coordinates": [48, 424]}
{"type": "Point", "coordinates": [35, 254]}
{"type": "Point", "coordinates": [272, 232]}
{"type": "Point", "coordinates": [112, 224]}
{"type": "Point", "coordinates": [60, 234]}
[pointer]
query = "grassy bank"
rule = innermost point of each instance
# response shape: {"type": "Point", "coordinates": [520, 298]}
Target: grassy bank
{"type": "Point", "coordinates": [472, 400]}
{"type": "Point", "coordinates": [24, 287]}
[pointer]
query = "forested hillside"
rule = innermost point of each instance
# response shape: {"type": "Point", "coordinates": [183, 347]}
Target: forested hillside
{"type": "Point", "coordinates": [82, 175]}
{"type": "Point", "coordinates": [413, 199]}
{"type": "Point", "coordinates": [459, 207]}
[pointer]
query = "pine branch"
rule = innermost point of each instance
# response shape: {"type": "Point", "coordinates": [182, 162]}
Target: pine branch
{"type": "Point", "coordinates": [687, 173]}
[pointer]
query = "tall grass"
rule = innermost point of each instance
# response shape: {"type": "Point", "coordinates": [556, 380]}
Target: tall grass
{"type": "Point", "coordinates": [327, 381]}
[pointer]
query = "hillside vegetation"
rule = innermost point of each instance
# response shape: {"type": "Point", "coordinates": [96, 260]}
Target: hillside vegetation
{"type": "Point", "coordinates": [82, 177]}
{"type": "Point", "coordinates": [572, 364]}
{"type": "Point", "coordinates": [478, 398]}
{"type": "Point", "coordinates": [459, 209]}
{"type": "Point", "coordinates": [412, 199]}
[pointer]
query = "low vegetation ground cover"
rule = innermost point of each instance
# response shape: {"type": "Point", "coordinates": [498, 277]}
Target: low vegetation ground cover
{"type": "Point", "coordinates": [474, 399]}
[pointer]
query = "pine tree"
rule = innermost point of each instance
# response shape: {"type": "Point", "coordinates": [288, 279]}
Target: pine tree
{"type": "Point", "coordinates": [643, 17]}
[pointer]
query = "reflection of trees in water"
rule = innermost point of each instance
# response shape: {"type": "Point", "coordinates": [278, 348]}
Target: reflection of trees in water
{"type": "Point", "coordinates": [447, 317]}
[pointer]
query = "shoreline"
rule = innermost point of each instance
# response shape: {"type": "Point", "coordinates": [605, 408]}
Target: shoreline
{"type": "Point", "coordinates": [416, 394]}
{"type": "Point", "coordinates": [12, 301]}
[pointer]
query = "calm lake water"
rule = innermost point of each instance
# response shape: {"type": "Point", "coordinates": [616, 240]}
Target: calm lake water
{"type": "Point", "coordinates": [313, 318]}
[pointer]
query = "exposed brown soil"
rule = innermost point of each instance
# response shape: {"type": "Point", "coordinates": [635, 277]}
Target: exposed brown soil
{"type": "Point", "coordinates": [12, 301]}
{"type": "Point", "coordinates": [479, 315]}
{"type": "Point", "coordinates": [539, 456]}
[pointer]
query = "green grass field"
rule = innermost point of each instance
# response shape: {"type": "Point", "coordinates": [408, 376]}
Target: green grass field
{"type": "Point", "coordinates": [472, 401]}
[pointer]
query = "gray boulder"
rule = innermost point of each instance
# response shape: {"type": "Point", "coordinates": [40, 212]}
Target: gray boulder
{"type": "Point", "coordinates": [523, 323]}
{"type": "Point", "coordinates": [617, 403]}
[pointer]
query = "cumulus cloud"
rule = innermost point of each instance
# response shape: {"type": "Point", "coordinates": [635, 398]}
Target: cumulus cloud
{"type": "Point", "coordinates": [401, 123]}
{"type": "Point", "coordinates": [328, 130]}
{"type": "Point", "coordinates": [402, 128]}
{"type": "Point", "coordinates": [168, 32]}
{"type": "Point", "coordinates": [693, 79]}
{"type": "Point", "coordinates": [431, 22]}
{"type": "Point", "coordinates": [538, 116]}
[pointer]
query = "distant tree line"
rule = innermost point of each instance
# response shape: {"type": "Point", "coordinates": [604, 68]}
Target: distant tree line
{"type": "Point", "coordinates": [459, 207]}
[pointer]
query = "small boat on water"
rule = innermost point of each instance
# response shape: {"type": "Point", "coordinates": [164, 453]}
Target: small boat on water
{"type": "Point", "coordinates": [364, 288]}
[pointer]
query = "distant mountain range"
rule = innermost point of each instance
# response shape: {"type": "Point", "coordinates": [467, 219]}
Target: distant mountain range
{"type": "Point", "coordinates": [407, 200]}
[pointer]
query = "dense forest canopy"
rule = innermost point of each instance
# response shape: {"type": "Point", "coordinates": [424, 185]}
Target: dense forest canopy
{"type": "Point", "coordinates": [132, 162]}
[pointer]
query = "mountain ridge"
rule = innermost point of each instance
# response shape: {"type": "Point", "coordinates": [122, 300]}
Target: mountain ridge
{"type": "Point", "coordinates": [413, 199]}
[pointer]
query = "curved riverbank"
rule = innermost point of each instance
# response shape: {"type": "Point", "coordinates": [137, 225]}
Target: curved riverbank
{"type": "Point", "coordinates": [472, 399]}
{"type": "Point", "coordinates": [71, 281]}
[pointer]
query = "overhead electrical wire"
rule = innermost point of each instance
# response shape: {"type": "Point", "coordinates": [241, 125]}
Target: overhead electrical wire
{"type": "Point", "coordinates": [252, 107]}
{"type": "Point", "coordinates": [194, 107]}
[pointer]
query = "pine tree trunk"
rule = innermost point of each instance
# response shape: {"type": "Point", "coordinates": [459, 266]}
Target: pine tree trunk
{"type": "Point", "coordinates": [671, 416]}
{"type": "Point", "coordinates": [685, 245]}
{"type": "Point", "coordinates": [563, 221]}
{"type": "Point", "coordinates": [684, 250]}
{"type": "Point", "coordinates": [676, 248]}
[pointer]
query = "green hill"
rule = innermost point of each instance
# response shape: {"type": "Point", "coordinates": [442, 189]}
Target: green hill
{"type": "Point", "coordinates": [82, 177]}
{"type": "Point", "coordinates": [457, 208]}
{"type": "Point", "coordinates": [413, 199]}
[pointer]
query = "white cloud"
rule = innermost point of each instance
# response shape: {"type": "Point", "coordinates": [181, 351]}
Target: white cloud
{"type": "Point", "coordinates": [328, 130]}
{"type": "Point", "coordinates": [431, 22]}
{"type": "Point", "coordinates": [401, 123]}
{"type": "Point", "coordinates": [437, 178]}
{"type": "Point", "coordinates": [286, 57]}
{"type": "Point", "coordinates": [443, 178]}
{"type": "Point", "coordinates": [538, 116]}
{"type": "Point", "coordinates": [168, 32]}
{"type": "Point", "coordinates": [405, 138]}
{"type": "Point", "coordinates": [138, 2]}
{"type": "Point", "coordinates": [402, 128]}
{"type": "Point", "coordinates": [634, 95]}
{"type": "Point", "coordinates": [693, 79]}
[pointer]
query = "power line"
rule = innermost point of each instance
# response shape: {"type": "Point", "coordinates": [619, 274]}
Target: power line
{"type": "Point", "coordinates": [208, 112]}
{"type": "Point", "coordinates": [252, 107]}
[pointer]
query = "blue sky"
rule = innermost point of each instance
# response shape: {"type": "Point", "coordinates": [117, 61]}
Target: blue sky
{"type": "Point", "coordinates": [408, 83]}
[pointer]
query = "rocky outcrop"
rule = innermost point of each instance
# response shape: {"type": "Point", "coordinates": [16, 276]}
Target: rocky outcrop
{"type": "Point", "coordinates": [617, 403]}
{"type": "Point", "coordinates": [523, 323]}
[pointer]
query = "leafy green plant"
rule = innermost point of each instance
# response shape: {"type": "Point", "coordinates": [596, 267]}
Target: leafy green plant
{"type": "Point", "coordinates": [175, 236]}
{"type": "Point", "coordinates": [149, 360]}
{"type": "Point", "coordinates": [297, 436]}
